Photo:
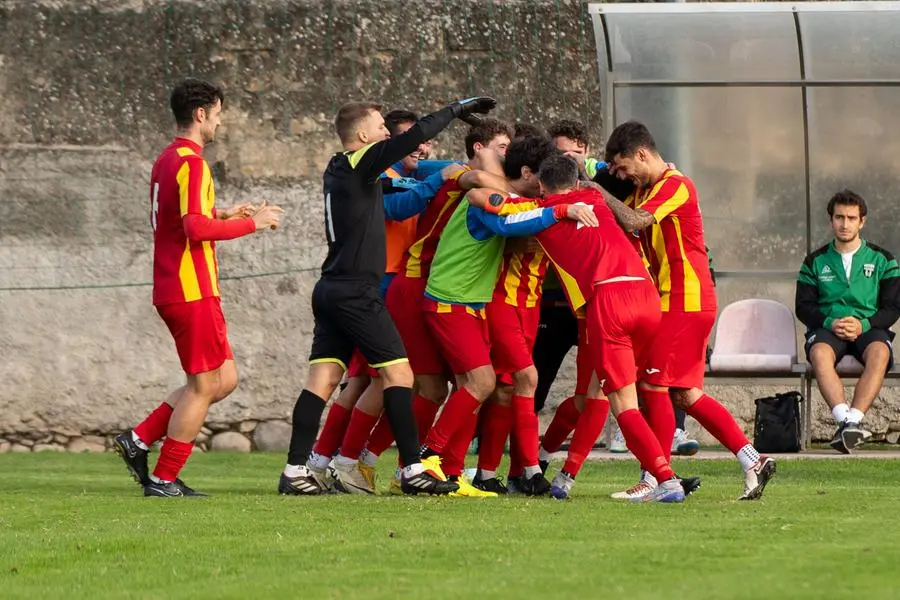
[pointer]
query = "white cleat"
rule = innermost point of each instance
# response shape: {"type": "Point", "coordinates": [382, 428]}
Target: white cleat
{"type": "Point", "coordinates": [757, 477]}
{"type": "Point", "coordinates": [617, 445]}
{"type": "Point", "coordinates": [350, 479]}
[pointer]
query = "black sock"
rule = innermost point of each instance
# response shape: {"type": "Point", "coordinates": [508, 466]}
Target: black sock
{"type": "Point", "coordinates": [307, 415]}
{"type": "Point", "coordinates": [680, 415]}
{"type": "Point", "coordinates": [398, 408]}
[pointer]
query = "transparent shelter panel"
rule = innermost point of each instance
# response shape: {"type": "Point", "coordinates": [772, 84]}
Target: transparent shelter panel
{"type": "Point", "coordinates": [703, 46]}
{"type": "Point", "coordinates": [848, 44]}
{"type": "Point", "coordinates": [854, 142]}
{"type": "Point", "coordinates": [743, 147]}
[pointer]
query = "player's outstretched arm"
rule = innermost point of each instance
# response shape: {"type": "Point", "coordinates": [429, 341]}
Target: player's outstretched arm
{"type": "Point", "coordinates": [399, 206]}
{"type": "Point", "coordinates": [378, 157]}
{"type": "Point", "coordinates": [629, 219]}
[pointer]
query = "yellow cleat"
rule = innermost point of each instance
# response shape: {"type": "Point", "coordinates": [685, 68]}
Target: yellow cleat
{"type": "Point", "coordinates": [467, 490]}
{"type": "Point", "coordinates": [394, 489]}
{"type": "Point", "coordinates": [433, 465]}
{"type": "Point", "coordinates": [368, 473]}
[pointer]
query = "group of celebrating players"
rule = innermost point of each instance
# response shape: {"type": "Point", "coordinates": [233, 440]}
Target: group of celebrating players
{"type": "Point", "coordinates": [428, 306]}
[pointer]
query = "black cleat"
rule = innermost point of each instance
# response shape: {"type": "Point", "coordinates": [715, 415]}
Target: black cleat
{"type": "Point", "coordinates": [689, 484]}
{"type": "Point", "coordinates": [426, 483]}
{"type": "Point", "coordinates": [302, 485]}
{"type": "Point", "coordinates": [537, 485]}
{"type": "Point", "coordinates": [756, 479]}
{"type": "Point", "coordinates": [171, 489]}
{"type": "Point", "coordinates": [514, 485]}
{"type": "Point", "coordinates": [134, 456]}
{"type": "Point", "coordinates": [853, 436]}
{"type": "Point", "coordinates": [490, 485]}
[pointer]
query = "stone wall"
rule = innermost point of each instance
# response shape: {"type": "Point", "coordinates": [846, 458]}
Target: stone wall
{"type": "Point", "coordinates": [83, 90]}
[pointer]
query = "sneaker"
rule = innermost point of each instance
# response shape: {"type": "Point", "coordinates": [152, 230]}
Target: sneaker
{"type": "Point", "coordinates": [432, 465]}
{"type": "Point", "coordinates": [395, 489]}
{"type": "Point", "coordinates": [682, 445]}
{"type": "Point", "coordinates": [689, 484]}
{"type": "Point", "coordinates": [561, 486]}
{"type": "Point", "coordinates": [837, 440]}
{"type": "Point", "coordinates": [668, 491]}
{"type": "Point", "coordinates": [369, 473]}
{"type": "Point", "coordinates": [853, 436]}
{"type": "Point", "coordinates": [426, 483]}
{"type": "Point", "coordinates": [536, 485]}
{"type": "Point", "coordinates": [617, 445]}
{"type": "Point", "coordinates": [514, 485]}
{"type": "Point", "coordinates": [134, 456]}
{"type": "Point", "coordinates": [643, 487]}
{"type": "Point", "coordinates": [490, 485]}
{"type": "Point", "coordinates": [171, 489]}
{"type": "Point", "coordinates": [756, 479]}
{"type": "Point", "coordinates": [304, 484]}
{"type": "Point", "coordinates": [326, 477]}
{"type": "Point", "coordinates": [467, 490]}
{"type": "Point", "coordinates": [350, 479]}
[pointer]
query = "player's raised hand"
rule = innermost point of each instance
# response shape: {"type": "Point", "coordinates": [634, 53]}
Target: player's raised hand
{"type": "Point", "coordinates": [237, 212]}
{"type": "Point", "coordinates": [478, 104]}
{"type": "Point", "coordinates": [583, 213]}
{"type": "Point", "coordinates": [266, 216]}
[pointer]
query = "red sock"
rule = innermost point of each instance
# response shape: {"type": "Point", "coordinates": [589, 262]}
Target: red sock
{"type": "Point", "coordinates": [660, 415]}
{"type": "Point", "coordinates": [358, 431]}
{"type": "Point", "coordinates": [453, 459]}
{"type": "Point", "coordinates": [494, 432]}
{"type": "Point", "coordinates": [153, 428]}
{"type": "Point", "coordinates": [643, 444]}
{"type": "Point", "coordinates": [172, 458]}
{"type": "Point", "coordinates": [526, 425]}
{"type": "Point", "coordinates": [333, 431]}
{"type": "Point", "coordinates": [564, 421]}
{"type": "Point", "coordinates": [424, 410]}
{"type": "Point", "coordinates": [587, 431]}
{"type": "Point", "coordinates": [516, 468]}
{"type": "Point", "coordinates": [461, 405]}
{"type": "Point", "coordinates": [716, 419]}
{"type": "Point", "coordinates": [382, 436]}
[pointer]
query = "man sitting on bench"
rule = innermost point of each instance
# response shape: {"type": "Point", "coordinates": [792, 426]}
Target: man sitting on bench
{"type": "Point", "coordinates": [848, 296]}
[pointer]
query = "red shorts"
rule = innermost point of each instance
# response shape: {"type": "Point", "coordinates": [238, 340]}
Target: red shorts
{"type": "Point", "coordinates": [462, 337]}
{"type": "Point", "coordinates": [358, 366]}
{"type": "Point", "coordinates": [201, 337]}
{"type": "Point", "coordinates": [513, 331]}
{"type": "Point", "coordinates": [584, 361]}
{"type": "Point", "coordinates": [622, 319]}
{"type": "Point", "coordinates": [404, 303]}
{"type": "Point", "coordinates": [678, 356]}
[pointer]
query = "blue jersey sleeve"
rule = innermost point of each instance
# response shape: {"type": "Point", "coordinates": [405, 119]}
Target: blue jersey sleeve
{"type": "Point", "coordinates": [483, 225]}
{"type": "Point", "coordinates": [403, 205]}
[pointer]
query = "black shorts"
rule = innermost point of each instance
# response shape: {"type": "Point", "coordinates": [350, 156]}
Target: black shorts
{"type": "Point", "coordinates": [557, 334]}
{"type": "Point", "coordinates": [856, 348]}
{"type": "Point", "coordinates": [350, 315]}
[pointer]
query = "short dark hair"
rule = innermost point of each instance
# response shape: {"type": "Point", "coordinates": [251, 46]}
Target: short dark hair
{"type": "Point", "coordinates": [527, 129]}
{"type": "Point", "coordinates": [191, 94]}
{"type": "Point", "coordinates": [349, 115]}
{"type": "Point", "coordinates": [486, 130]}
{"type": "Point", "coordinates": [847, 197]}
{"type": "Point", "coordinates": [558, 172]}
{"type": "Point", "coordinates": [393, 119]}
{"type": "Point", "coordinates": [574, 130]}
{"type": "Point", "coordinates": [628, 138]}
{"type": "Point", "coordinates": [529, 151]}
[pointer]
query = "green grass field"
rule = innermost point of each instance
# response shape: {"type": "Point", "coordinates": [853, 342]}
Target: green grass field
{"type": "Point", "coordinates": [75, 526]}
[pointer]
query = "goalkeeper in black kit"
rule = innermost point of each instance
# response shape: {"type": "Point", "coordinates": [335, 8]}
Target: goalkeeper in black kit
{"type": "Point", "coordinates": [347, 306]}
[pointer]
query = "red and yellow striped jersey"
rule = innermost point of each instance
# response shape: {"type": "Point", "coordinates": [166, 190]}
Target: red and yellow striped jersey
{"type": "Point", "coordinates": [673, 246]}
{"type": "Point", "coordinates": [430, 225]}
{"type": "Point", "coordinates": [431, 305]}
{"type": "Point", "coordinates": [522, 273]}
{"type": "Point", "coordinates": [181, 184]}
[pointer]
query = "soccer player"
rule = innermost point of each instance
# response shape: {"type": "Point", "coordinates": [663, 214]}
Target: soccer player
{"type": "Point", "coordinates": [571, 138]}
{"type": "Point", "coordinates": [347, 306]}
{"type": "Point", "coordinates": [186, 226]}
{"type": "Point", "coordinates": [848, 296]}
{"type": "Point", "coordinates": [462, 279]}
{"type": "Point", "coordinates": [602, 273]}
{"type": "Point", "coordinates": [667, 215]}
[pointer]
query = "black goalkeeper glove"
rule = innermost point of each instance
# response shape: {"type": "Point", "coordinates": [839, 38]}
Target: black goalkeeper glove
{"type": "Point", "coordinates": [466, 108]}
